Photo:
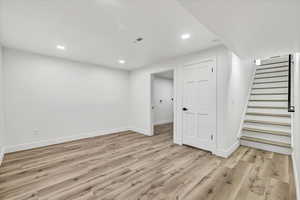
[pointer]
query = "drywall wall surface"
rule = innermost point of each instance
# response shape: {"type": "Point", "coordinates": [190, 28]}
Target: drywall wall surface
{"type": "Point", "coordinates": [229, 88]}
{"type": "Point", "coordinates": [49, 99]}
{"type": "Point", "coordinates": [237, 85]}
{"type": "Point", "coordinates": [162, 100]}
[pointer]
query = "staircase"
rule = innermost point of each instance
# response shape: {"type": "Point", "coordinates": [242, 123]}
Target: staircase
{"type": "Point", "coordinates": [267, 123]}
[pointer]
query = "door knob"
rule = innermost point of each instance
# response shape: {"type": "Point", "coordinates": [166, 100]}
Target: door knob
{"type": "Point", "coordinates": [184, 109]}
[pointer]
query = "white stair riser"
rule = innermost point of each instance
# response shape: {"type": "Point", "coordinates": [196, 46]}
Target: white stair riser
{"type": "Point", "coordinates": [281, 84]}
{"type": "Point", "coordinates": [260, 103]}
{"type": "Point", "coordinates": [266, 147]}
{"type": "Point", "coordinates": [285, 63]}
{"type": "Point", "coordinates": [271, 79]}
{"type": "Point", "coordinates": [276, 90]}
{"type": "Point", "coordinates": [272, 69]}
{"type": "Point", "coordinates": [275, 138]}
{"type": "Point", "coordinates": [267, 118]}
{"type": "Point", "coordinates": [268, 97]}
{"type": "Point", "coordinates": [272, 65]}
{"type": "Point", "coordinates": [271, 74]}
{"type": "Point", "coordinates": [271, 111]}
{"type": "Point", "coordinates": [283, 58]}
{"type": "Point", "coordinates": [268, 127]}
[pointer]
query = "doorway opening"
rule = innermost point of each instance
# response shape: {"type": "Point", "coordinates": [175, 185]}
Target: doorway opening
{"type": "Point", "coordinates": [162, 103]}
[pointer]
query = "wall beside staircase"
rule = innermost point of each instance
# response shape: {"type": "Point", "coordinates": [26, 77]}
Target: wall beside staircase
{"type": "Point", "coordinates": [296, 131]}
{"type": "Point", "coordinates": [238, 82]}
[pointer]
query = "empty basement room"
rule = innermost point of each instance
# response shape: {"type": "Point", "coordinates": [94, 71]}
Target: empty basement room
{"type": "Point", "coordinates": [157, 100]}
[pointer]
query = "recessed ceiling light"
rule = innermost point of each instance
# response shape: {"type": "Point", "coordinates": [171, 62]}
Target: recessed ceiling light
{"type": "Point", "coordinates": [60, 47]}
{"type": "Point", "coordinates": [122, 61]}
{"type": "Point", "coordinates": [185, 36]}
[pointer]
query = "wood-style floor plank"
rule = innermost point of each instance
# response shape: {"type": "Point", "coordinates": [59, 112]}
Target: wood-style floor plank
{"type": "Point", "coordinates": [132, 166]}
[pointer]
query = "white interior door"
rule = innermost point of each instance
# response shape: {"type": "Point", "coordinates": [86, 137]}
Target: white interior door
{"type": "Point", "coordinates": [199, 105]}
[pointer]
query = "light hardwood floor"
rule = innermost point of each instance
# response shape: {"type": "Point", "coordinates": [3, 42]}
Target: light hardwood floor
{"type": "Point", "coordinates": [130, 166]}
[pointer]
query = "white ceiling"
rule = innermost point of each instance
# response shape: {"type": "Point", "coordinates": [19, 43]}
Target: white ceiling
{"type": "Point", "coordinates": [252, 28]}
{"type": "Point", "coordinates": [166, 75]}
{"type": "Point", "coordinates": [102, 31]}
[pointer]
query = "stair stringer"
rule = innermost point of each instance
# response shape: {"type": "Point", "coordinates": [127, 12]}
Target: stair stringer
{"type": "Point", "coordinates": [247, 103]}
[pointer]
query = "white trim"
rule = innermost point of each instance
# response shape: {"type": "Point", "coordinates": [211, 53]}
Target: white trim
{"type": "Point", "coordinates": [246, 104]}
{"type": "Point", "coordinates": [175, 106]}
{"type": "Point", "coordinates": [292, 129]}
{"type": "Point", "coordinates": [163, 122]}
{"type": "Point", "coordinates": [1, 155]}
{"type": "Point", "coordinates": [225, 153]}
{"type": "Point", "coordinates": [296, 176]}
{"type": "Point", "coordinates": [20, 147]}
{"type": "Point", "coordinates": [174, 69]}
{"type": "Point", "coordinates": [151, 105]}
{"type": "Point", "coordinates": [141, 131]}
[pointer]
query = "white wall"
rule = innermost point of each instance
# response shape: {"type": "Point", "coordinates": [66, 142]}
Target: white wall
{"type": "Point", "coordinates": [233, 82]}
{"type": "Point", "coordinates": [162, 89]}
{"type": "Point", "coordinates": [1, 107]}
{"type": "Point", "coordinates": [50, 99]}
{"type": "Point", "coordinates": [238, 85]}
{"type": "Point", "coordinates": [296, 124]}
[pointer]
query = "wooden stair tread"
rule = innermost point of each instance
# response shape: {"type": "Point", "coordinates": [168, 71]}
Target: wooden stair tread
{"type": "Point", "coordinates": [268, 107]}
{"type": "Point", "coordinates": [267, 122]}
{"type": "Point", "coordinates": [272, 132]}
{"type": "Point", "coordinates": [278, 71]}
{"type": "Point", "coordinates": [267, 88]}
{"type": "Point", "coordinates": [264, 141]}
{"type": "Point", "coordinates": [274, 63]}
{"type": "Point", "coordinates": [266, 68]}
{"type": "Point", "coordinates": [269, 93]}
{"type": "Point", "coordinates": [268, 114]}
{"type": "Point", "coordinates": [267, 77]}
{"type": "Point", "coordinates": [270, 82]}
{"type": "Point", "coordinates": [270, 100]}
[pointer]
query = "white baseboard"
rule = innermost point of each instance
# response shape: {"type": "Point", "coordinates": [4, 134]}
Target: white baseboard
{"type": "Point", "coordinates": [20, 147]}
{"type": "Point", "coordinates": [296, 175]}
{"type": "Point", "coordinates": [177, 141]}
{"type": "Point", "coordinates": [163, 122]}
{"type": "Point", "coordinates": [140, 130]}
{"type": "Point", "coordinates": [1, 155]}
{"type": "Point", "coordinates": [225, 153]}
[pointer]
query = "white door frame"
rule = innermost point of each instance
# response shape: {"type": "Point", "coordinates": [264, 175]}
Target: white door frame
{"type": "Point", "coordinates": [151, 125]}
{"type": "Point", "coordinates": [179, 124]}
